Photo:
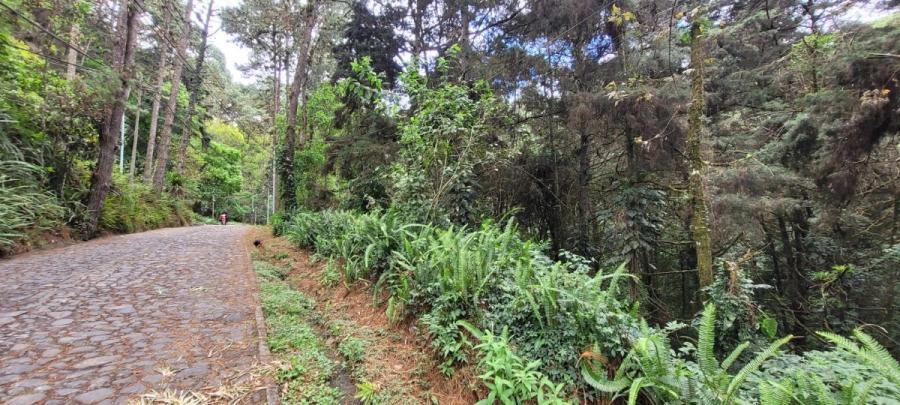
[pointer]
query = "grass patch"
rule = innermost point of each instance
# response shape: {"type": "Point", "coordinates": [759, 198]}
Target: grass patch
{"type": "Point", "coordinates": [306, 370]}
{"type": "Point", "coordinates": [269, 272]}
{"type": "Point", "coordinates": [360, 352]}
{"type": "Point", "coordinates": [279, 299]}
{"type": "Point", "coordinates": [330, 276]}
{"type": "Point", "coordinates": [306, 377]}
{"type": "Point", "coordinates": [353, 350]}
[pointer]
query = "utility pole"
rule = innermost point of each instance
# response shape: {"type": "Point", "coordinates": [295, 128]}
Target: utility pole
{"type": "Point", "coordinates": [136, 132]}
{"type": "Point", "coordinates": [273, 186]}
{"type": "Point", "coordinates": [122, 147]}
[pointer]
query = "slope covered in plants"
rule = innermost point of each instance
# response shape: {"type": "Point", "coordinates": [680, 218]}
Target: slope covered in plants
{"type": "Point", "coordinates": [555, 331]}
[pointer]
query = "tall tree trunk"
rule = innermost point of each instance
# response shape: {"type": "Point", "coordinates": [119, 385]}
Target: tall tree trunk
{"type": "Point", "coordinates": [298, 87]}
{"type": "Point", "coordinates": [157, 97]}
{"type": "Point", "coordinates": [465, 43]}
{"type": "Point", "coordinates": [895, 221]}
{"type": "Point", "coordinates": [792, 279]}
{"type": "Point", "coordinates": [111, 127]}
{"type": "Point", "coordinates": [699, 219]}
{"type": "Point", "coordinates": [276, 76]}
{"type": "Point", "coordinates": [579, 112]}
{"type": "Point", "coordinates": [418, 27]}
{"type": "Point", "coordinates": [194, 86]}
{"type": "Point", "coordinates": [72, 54]}
{"type": "Point", "coordinates": [585, 205]}
{"type": "Point", "coordinates": [165, 137]}
{"type": "Point", "coordinates": [135, 134]}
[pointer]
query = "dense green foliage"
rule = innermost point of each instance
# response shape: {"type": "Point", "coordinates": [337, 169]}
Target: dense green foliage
{"type": "Point", "coordinates": [40, 145]}
{"type": "Point", "coordinates": [574, 123]}
{"type": "Point", "coordinates": [489, 275]}
{"type": "Point", "coordinates": [549, 311]}
{"type": "Point", "coordinates": [58, 81]}
{"type": "Point", "coordinates": [571, 119]}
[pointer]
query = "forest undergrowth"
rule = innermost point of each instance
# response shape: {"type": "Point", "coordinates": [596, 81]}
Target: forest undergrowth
{"type": "Point", "coordinates": [547, 330]}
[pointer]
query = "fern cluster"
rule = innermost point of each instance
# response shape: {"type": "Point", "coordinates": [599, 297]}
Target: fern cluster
{"type": "Point", "coordinates": [651, 369]}
{"type": "Point", "coordinates": [533, 317]}
{"type": "Point", "coordinates": [488, 275]}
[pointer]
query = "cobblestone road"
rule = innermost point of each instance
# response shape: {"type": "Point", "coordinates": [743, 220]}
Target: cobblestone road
{"type": "Point", "coordinates": [108, 320]}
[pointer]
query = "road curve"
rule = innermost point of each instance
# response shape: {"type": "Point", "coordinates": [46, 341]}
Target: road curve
{"type": "Point", "coordinates": [108, 320]}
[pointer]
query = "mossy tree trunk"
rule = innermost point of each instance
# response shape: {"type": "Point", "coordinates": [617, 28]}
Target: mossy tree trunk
{"type": "Point", "coordinates": [135, 133]}
{"type": "Point", "coordinates": [699, 213]}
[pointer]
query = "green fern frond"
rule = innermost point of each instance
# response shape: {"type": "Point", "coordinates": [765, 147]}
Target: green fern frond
{"type": "Point", "coordinates": [821, 391]}
{"type": "Point", "coordinates": [880, 355]}
{"type": "Point", "coordinates": [872, 354]}
{"type": "Point", "coordinates": [635, 390]}
{"type": "Point", "coordinates": [753, 366]}
{"type": "Point", "coordinates": [861, 397]}
{"type": "Point", "coordinates": [600, 382]}
{"type": "Point", "coordinates": [472, 329]}
{"type": "Point", "coordinates": [734, 355]}
{"type": "Point", "coordinates": [706, 355]}
{"type": "Point", "coordinates": [772, 393]}
{"type": "Point", "coordinates": [840, 341]}
{"type": "Point", "coordinates": [613, 290]}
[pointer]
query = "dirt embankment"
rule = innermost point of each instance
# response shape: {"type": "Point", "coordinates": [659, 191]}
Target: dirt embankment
{"type": "Point", "coordinates": [398, 359]}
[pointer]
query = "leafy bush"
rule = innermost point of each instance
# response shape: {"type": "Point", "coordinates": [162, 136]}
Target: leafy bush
{"type": "Point", "coordinates": [352, 349]}
{"type": "Point", "coordinates": [367, 392]}
{"type": "Point", "coordinates": [330, 274]}
{"type": "Point", "coordinates": [510, 378]}
{"type": "Point", "coordinates": [277, 222]}
{"type": "Point", "coordinates": [435, 178]}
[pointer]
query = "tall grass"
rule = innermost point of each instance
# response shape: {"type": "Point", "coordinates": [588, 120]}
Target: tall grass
{"type": "Point", "coordinates": [25, 210]}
